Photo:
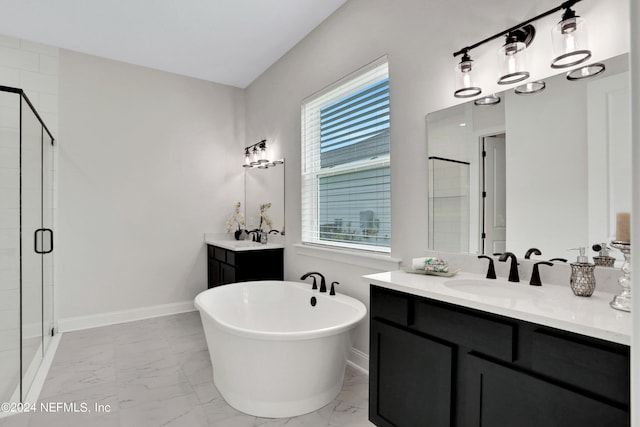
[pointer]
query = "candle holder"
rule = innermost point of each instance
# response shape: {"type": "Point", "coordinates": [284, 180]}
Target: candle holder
{"type": "Point", "coordinates": [623, 301]}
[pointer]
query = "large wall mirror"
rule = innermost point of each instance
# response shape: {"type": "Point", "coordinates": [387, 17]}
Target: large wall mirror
{"type": "Point", "coordinates": [264, 186]}
{"type": "Point", "coordinates": [555, 170]}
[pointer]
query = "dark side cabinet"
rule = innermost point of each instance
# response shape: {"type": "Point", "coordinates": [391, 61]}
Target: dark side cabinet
{"type": "Point", "coordinates": [226, 266]}
{"type": "Point", "coordinates": [439, 364]}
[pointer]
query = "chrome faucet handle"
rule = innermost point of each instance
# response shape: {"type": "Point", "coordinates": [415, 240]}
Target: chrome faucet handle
{"type": "Point", "coordinates": [333, 289]}
{"type": "Point", "coordinates": [491, 271]}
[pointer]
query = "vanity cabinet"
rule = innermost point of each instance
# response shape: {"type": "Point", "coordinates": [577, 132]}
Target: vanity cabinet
{"type": "Point", "coordinates": [438, 364]}
{"type": "Point", "coordinates": [226, 266]}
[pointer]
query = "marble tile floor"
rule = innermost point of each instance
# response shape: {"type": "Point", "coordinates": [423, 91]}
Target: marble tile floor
{"type": "Point", "coordinates": [157, 372]}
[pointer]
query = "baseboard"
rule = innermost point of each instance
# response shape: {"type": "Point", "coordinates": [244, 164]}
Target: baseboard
{"type": "Point", "coordinates": [359, 360]}
{"type": "Point", "coordinates": [114, 317]}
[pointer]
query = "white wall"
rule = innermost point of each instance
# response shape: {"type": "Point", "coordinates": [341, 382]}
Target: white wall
{"type": "Point", "coordinates": [147, 166]}
{"type": "Point", "coordinates": [419, 38]}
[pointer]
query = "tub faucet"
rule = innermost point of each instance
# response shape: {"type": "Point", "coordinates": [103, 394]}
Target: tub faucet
{"type": "Point", "coordinates": [323, 283]}
{"type": "Point", "coordinates": [513, 271]}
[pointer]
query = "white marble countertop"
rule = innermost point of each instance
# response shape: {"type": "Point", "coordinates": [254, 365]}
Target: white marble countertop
{"type": "Point", "coordinates": [225, 241]}
{"type": "Point", "coordinates": [549, 305]}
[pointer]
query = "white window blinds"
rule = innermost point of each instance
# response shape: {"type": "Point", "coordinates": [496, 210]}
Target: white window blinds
{"type": "Point", "coordinates": [346, 195]}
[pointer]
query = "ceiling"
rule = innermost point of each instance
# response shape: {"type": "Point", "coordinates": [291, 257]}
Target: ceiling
{"type": "Point", "coordinates": [225, 41]}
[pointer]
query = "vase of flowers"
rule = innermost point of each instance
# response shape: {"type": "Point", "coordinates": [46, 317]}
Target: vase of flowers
{"type": "Point", "coordinates": [236, 221]}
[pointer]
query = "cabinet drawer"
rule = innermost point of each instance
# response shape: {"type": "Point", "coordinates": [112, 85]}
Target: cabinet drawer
{"type": "Point", "coordinates": [211, 251]}
{"type": "Point", "coordinates": [390, 305]}
{"type": "Point", "coordinates": [483, 333]}
{"type": "Point", "coordinates": [584, 362]}
{"type": "Point", "coordinates": [220, 254]}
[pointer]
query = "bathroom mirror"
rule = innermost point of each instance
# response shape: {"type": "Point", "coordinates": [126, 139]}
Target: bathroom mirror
{"type": "Point", "coordinates": [556, 168]}
{"type": "Point", "coordinates": [264, 186]}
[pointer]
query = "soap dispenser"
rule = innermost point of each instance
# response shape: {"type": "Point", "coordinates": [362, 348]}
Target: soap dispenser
{"type": "Point", "coordinates": [603, 259]}
{"type": "Point", "coordinates": [583, 281]}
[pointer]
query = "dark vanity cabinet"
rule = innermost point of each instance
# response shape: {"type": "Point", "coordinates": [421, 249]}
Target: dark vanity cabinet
{"type": "Point", "coordinates": [227, 266]}
{"type": "Point", "coordinates": [437, 364]}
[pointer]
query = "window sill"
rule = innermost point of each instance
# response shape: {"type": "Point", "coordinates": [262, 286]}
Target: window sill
{"type": "Point", "coordinates": [378, 262]}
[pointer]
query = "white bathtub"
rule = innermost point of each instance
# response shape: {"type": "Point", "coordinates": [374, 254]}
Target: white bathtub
{"type": "Point", "coordinates": [273, 353]}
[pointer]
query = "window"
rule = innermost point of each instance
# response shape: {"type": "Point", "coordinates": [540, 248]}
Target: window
{"type": "Point", "coordinates": [346, 183]}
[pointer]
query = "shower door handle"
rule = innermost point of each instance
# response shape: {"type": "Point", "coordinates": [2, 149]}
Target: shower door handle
{"type": "Point", "coordinates": [41, 231]}
{"type": "Point", "coordinates": [50, 231]}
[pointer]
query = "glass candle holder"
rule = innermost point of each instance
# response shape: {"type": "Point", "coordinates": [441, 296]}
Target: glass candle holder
{"type": "Point", "coordinates": [623, 300]}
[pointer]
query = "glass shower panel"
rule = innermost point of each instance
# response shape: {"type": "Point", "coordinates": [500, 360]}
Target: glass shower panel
{"type": "Point", "coordinates": [9, 247]}
{"type": "Point", "coordinates": [449, 210]}
{"type": "Point", "coordinates": [31, 211]}
{"type": "Point", "coordinates": [47, 244]}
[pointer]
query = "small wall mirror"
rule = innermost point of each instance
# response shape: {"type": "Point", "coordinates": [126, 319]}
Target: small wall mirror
{"type": "Point", "coordinates": [264, 186]}
{"type": "Point", "coordinates": [547, 170]}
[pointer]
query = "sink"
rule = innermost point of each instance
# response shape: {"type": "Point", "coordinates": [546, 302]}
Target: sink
{"type": "Point", "coordinates": [494, 288]}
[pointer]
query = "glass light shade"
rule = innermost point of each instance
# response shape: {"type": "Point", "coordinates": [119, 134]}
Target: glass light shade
{"type": "Point", "coordinates": [513, 59]}
{"type": "Point", "coordinates": [262, 156]}
{"type": "Point", "coordinates": [255, 157]}
{"type": "Point", "coordinates": [247, 159]}
{"type": "Point", "coordinates": [530, 88]}
{"type": "Point", "coordinates": [465, 87]}
{"type": "Point", "coordinates": [586, 72]}
{"type": "Point", "coordinates": [492, 99]}
{"type": "Point", "coordinates": [570, 42]}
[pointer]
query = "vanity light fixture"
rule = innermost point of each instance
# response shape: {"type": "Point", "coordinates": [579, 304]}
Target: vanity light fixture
{"type": "Point", "coordinates": [512, 55]}
{"type": "Point", "coordinates": [492, 99]}
{"type": "Point", "coordinates": [255, 156]}
{"type": "Point", "coordinates": [464, 78]}
{"type": "Point", "coordinates": [570, 40]}
{"type": "Point", "coordinates": [586, 72]}
{"type": "Point", "coordinates": [530, 88]}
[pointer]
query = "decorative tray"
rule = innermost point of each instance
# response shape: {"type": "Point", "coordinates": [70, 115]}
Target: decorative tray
{"type": "Point", "coordinates": [452, 272]}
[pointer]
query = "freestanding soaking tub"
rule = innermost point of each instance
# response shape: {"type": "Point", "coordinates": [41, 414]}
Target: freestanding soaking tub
{"type": "Point", "coordinates": [274, 354]}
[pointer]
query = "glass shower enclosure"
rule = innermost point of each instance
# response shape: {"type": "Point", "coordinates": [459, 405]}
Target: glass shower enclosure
{"type": "Point", "coordinates": [26, 243]}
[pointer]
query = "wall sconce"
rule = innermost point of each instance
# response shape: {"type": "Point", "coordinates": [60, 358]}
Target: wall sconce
{"type": "Point", "coordinates": [569, 44]}
{"type": "Point", "coordinates": [255, 156]}
{"type": "Point", "coordinates": [513, 55]}
{"type": "Point", "coordinates": [464, 78]}
{"type": "Point", "coordinates": [570, 41]}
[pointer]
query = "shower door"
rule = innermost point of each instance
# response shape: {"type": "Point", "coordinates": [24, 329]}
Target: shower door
{"type": "Point", "coordinates": [26, 242]}
{"type": "Point", "coordinates": [37, 243]}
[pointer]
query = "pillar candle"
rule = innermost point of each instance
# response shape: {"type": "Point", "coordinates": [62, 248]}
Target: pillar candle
{"type": "Point", "coordinates": [623, 226]}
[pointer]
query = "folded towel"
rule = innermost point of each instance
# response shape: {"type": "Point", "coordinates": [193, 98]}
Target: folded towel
{"type": "Point", "coordinates": [431, 264]}
{"type": "Point", "coordinates": [436, 265]}
{"type": "Point", "coordinates": [418, 263]}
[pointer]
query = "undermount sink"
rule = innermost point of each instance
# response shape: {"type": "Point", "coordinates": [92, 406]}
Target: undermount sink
{"type": "Point", "coordinates": [494, 288]}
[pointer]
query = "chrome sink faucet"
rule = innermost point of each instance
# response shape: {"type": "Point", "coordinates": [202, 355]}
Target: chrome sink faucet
{"type": "Point", "coordinates": [513, 270]}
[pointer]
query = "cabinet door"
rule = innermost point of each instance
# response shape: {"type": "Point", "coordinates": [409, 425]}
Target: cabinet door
{"type": "Point", "coordinates": [213, 272]}
{"type": "Point", "coordinates": [501, 396]}
{"type": "Point", "coordinates": [227, 274]}
{"type": "Point", "coordinates": [410, 379]}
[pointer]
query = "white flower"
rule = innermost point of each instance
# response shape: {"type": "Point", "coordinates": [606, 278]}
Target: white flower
{"type": "Point", "coordinates": [264, 216]}
{"type": "Point", "coordinates": [235, 220]}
